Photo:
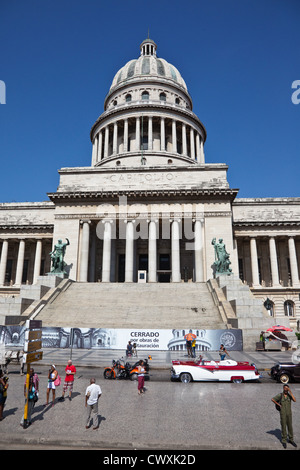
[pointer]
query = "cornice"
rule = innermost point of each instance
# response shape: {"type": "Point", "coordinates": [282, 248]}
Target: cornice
{"type": "Point", "coordinates": [270, 223]}
{"type": "Point", "coordinates": [42, 228]}
{"type": "Point", "coordinates": [211, 193]}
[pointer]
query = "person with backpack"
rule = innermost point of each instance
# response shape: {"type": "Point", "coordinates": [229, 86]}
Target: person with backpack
{"type": "Point", "coordinates": [33, 392]}
{"type": "Point", "coordinates": [52, 376]}
{"type": "Point", "coordinates": [3, 392]}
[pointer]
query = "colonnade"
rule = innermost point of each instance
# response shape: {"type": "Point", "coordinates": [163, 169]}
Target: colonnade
{"type": "Point", "coordinates": [152, 251]}
{"type": "Point", "coordinates": [274, 261]}
{"type": "Point", "coordinates": [105, 145]}
{"type": "Point", "coordinates": [20, 259]}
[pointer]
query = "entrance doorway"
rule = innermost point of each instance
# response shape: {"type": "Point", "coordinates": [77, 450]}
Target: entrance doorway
{"type": "Point", "coordinates": [164, 272]}
{"type": "Point", "coordinates": [143, 262]}
{"type": "Point", "coordinates": [121, 268]}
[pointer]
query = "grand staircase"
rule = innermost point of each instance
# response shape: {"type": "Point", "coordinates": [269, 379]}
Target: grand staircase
{"type": "Point", "coordinates": [123, 305]}
{"type": "Point", "coordinates": [217, 304]}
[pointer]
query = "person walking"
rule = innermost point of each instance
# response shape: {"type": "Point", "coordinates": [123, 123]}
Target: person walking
{"type": "Point", "coordinates": [141, 377]}
{"type": "Point", "coordinates": [194, 348]}
{"type": "Point", "coordinates": [52, 375]}
{"type": "Point", "coordinates": [222, 352]}
{"type": "Point", "coordinates": [189, 347]}
{"type": "Point", "coordinates": [284, 400]}
{"type": "Point", "coordinates": [92, 395]}
{"type": "Point", "coordinates": [33, 392]}
{"type": "Point", "coordinates": [3, 392]}
{"type": "Point", "coordinates": [69, 380]}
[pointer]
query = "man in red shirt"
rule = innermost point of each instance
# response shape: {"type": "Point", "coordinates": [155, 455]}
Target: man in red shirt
{"type": "Point", "coordinates": [69, 380]}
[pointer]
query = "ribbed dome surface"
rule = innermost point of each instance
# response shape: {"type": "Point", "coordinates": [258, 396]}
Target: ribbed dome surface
{"type": "Point", "coordinates": [148, 66]}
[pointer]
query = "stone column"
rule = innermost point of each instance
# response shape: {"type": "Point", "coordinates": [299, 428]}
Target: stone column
{"type": "Point", "coordinates": [150, 133]}
{"type": "Point", "coordinates": [3, 262]}
{"type": "Point", "coordinates": [129, 251]}
{"type": "Point", "coordinates": [125, 144]}
{"type": "Point", "coordinates": [84, 254]}
{"type": "Point", "coordinates": [20, 263]}
{"type": "Point", "coordinates": [254, 263]}
{"type": "Point", "coordinates": [293, 262]}
{"type": "Point", "coordinates": [115, 138]}
{"type": "Point", "coordinates": [152, 251]}
{"type": "Point", "coordinates": [274, 264]}
{"type": "Point", "coordinates": [202, 157]}
{"type": "Point", "coordinates": [95, 148]}
{"type": "Point", "coordinates": [175, 251]}
{"type": "Point", "coordinates": [192, 141]}
{"type": "Point", "coordinates": [162, 134]}
{"type": "Point", "coordinates": [92, 255]}
{"type": "Point", "coordinates": [137, 134]}
{"type": "Point", "coordinates": [199, 266]}
{"type": "Point", "coordinates": [106, 138]}
{"type": "Point", "coordinates": [174, 137]}
{"type": "Point", "coordinates": [198, 148]}
{"type": "Point", "coordinates": [106, 255]}
{"type": "Point", "coordinates": [99, 156]}
{"type": "Point", "coordinates": [184, 145]}
{"type": "Point", "coordinates": [37, 261]}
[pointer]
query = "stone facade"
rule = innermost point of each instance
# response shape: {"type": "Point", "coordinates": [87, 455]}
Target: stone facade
{"type": "Point", "coordinates": [150, 203]}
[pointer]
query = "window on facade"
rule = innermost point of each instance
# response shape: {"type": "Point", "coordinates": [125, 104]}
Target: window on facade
{"type": "Point", "coordinates": [241, 269]}
{"type": "Point", "coordinates": [145, 96]}
{"type": "Point", "coordinates": [177, 101]}
{"type": "Point", "coordinates": [289, 269]}
{"type": "Point", "coordinates": [259, 270]}
{"type": "Point", "coordinates": [115, 103]}
{"type": "Point", "coordinates": [128, 98]}
{"type": "Point", "coordinates": [289, 308]}
{"type": "Point", "coordinates": [25, 271]}
{"type": "Point", "coordinates": [145, 142]}
{"type": "Point", "coordinates": [162, 97]}
{"type": "Point", "coordinates": [8, 272]}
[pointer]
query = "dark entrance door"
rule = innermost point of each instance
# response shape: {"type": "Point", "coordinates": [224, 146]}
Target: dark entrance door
{"type": "Point", "coordinates": [143, 262]}
{"type": "Point", "coordinates": [164, 272]}
{"type": "Point", "coordinates": [121, 268]}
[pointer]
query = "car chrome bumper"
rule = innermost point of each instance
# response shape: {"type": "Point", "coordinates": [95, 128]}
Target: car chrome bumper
{"type": "Point", "coordinates": [174, 376]}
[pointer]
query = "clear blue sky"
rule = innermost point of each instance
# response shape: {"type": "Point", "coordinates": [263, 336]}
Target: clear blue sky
{"type": "Point", "coordinates": [239, 59]}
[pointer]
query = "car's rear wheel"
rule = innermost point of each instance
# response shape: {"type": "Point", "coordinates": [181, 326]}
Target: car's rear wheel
{"type": "Point", "coordinates": [185, 378]}
{"type": "Point", "coordinates": [284, 378]}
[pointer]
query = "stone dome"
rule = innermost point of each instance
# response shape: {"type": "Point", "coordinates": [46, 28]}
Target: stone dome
{"type": "Point", "coordinates": [148, 65]}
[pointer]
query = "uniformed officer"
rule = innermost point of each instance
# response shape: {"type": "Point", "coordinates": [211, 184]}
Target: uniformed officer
{"type": "Point", "coordinates": [284, 401]}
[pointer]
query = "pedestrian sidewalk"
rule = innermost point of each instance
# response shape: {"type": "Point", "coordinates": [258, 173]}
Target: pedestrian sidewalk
{"type": "Point", "coordinates": [264, 360]}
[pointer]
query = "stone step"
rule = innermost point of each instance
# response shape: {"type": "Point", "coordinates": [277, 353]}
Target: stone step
{"type": "Point", "coordinates": [133, 306]}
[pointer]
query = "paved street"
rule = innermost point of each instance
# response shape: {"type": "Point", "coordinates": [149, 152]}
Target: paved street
{"type": "Point", "coordinates": [169, 416]}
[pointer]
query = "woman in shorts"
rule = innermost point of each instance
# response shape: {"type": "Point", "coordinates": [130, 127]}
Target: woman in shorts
{"type": "Point", "coordinates": [51, 386]}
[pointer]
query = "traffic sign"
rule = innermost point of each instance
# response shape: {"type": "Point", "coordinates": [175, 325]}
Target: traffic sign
{"type": "Point", "coordinates": [33, 346]}
{"type": "Point", "coordinates": [31, 335]}
{"type": "Point", "coordinates": [33, 356]}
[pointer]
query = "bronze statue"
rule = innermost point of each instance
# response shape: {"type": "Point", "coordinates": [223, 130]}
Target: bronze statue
{"type": "Point", "coordinates": [222, 261]}
{"type": "Point", "coordinates": [57, 257]}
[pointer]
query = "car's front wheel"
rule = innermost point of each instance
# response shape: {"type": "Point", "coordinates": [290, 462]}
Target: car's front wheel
{"type": "Point", "coordinates": [185, 377]}
{"type": "Point", "coordinates": [284, 378]}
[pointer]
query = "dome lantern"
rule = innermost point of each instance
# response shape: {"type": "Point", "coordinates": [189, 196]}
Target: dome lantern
{"type": "Point", "coordinates": [148, 48]}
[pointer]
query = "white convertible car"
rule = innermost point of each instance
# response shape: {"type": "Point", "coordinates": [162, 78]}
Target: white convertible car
{"type": "Point", "coordinates": [227, 371]}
